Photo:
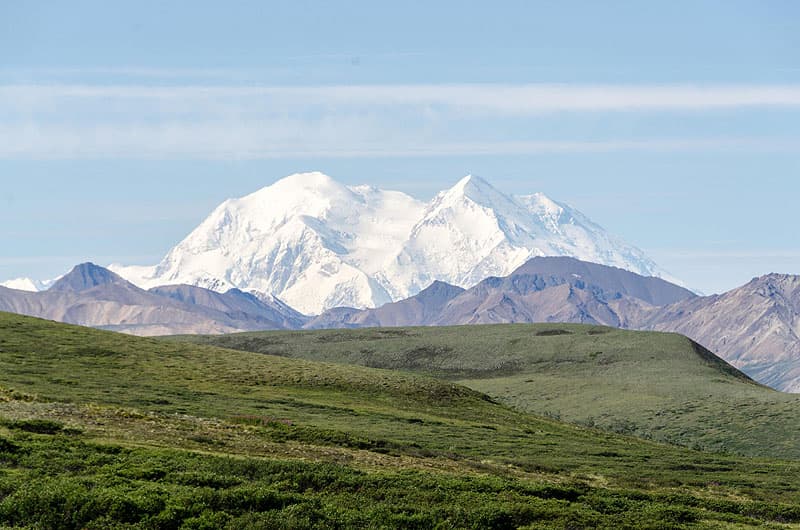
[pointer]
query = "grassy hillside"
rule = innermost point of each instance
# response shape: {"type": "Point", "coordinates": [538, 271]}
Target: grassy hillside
{"type": "Point", "coordinates": [653, 385]}
{"type": "Point", "coordinates": [100, 430]}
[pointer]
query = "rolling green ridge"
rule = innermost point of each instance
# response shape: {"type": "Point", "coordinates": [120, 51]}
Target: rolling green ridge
{"type": "Point", "coordinates": [648, 384]}
{"type": "Point", "coordinates": [102, 430]}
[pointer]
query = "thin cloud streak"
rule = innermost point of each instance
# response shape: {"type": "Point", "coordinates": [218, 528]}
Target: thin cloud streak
{"type": "Point", "coordinates": [695, 254]}
{"type": "Point", "coordinates": [226, 141]}
{"type": "Point", "coordinates": [71, 121]}
{"type": "Point", "coordinates": [501, 98]}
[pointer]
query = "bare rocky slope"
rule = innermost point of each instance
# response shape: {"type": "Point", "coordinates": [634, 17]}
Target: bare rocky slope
{"type": "Point", "coordinates": [755, 327]}
{"type": "Point", "coordinates": [545, 289]}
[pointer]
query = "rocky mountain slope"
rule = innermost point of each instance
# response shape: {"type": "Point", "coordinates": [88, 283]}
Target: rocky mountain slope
{"type": "Point", "coordinates": [317, 244]}
{"type": "Point", "coordinates": [755, 327]}
{"type": "Point", "coordinates": [93, 296]}
{"type": "Point", "coordinates": [545, 289]}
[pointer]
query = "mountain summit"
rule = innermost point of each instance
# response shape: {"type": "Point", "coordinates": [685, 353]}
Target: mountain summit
{"type": "Point", "coordinates": [86, 276]}
{"type": "Point", "coordinates": [318, 244]}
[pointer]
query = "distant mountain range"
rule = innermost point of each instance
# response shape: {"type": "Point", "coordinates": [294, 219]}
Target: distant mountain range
{"type": "Point", "coordinates": [90, 295]}
{"type": "Point", "coordinates": [755, 327]}
{"type": "Point", "coordinates": [317, 244]}
{"type": "Point", "coordinates": [548, 289]}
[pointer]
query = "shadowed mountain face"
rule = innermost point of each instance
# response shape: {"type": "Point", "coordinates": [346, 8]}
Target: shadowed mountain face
{"type": "Point", "coordinates": [236, 304]}
{"type": "Point", "coordinates": [540, 273]}
{"type": "Point", "coordinates": [86, 276]}
{"type": "Point", "coordinates": [93, 296]}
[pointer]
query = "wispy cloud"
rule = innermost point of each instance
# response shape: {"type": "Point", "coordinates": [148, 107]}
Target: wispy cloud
{"type": "Point", "coordinates": [694, 254]}
{"type": "Point", "coordinates": [237, 141]}
{"type": "Point", "coordinates": [258, 121]}
{"type": "Point", "coordinates": [73, 259]}
{"type": "Point", "coordinates": [526, 98]}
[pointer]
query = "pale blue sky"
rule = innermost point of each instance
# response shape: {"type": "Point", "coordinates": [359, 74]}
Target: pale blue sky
{"type": "Point", "coordinates": [676, 126]}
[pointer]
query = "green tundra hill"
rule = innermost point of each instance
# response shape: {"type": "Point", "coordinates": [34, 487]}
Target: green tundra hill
{"type": "Point", "coordinates": [103, 430]}
{"type": "Point", "coordinates": [660, 386]}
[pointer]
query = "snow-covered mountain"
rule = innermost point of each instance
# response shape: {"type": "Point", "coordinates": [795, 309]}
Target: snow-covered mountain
{"type": "Point", "coordinates": [27, 284]}
{"type": "Point", "coordinates": [472, 231]}
{"type": "Point", "coordinates": [307, 239]}
{"type": "Point", "coordinates": [317, 244]}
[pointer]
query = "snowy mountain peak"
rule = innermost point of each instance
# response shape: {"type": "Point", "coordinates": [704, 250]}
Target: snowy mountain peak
{"type": "Point", "coordinates": [28, 284]}
{"type": "Point", "coordinates": [314, 194]}
{"type": "Point", "coordinates": [313, 182]}
{"type": "Point", "coordinates": [22, 284]}
{"type": "Point", "coordinates": [316, 243]}
{"type": "Point", "coordinates": [308, 179]}
{"type": "Point", "coordinates": [470, 184]}
{"type": "Point", "coordinates": [476, 190]}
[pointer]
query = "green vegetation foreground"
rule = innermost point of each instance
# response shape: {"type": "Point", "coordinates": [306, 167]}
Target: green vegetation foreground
{"type": "Point", "coordinates": [659, 386]}
{"type": "Point", "coordinates": [101, 430]}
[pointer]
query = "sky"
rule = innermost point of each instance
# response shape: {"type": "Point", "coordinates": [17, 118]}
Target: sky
{"type": "Point", "coordinates": [675, 125]}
